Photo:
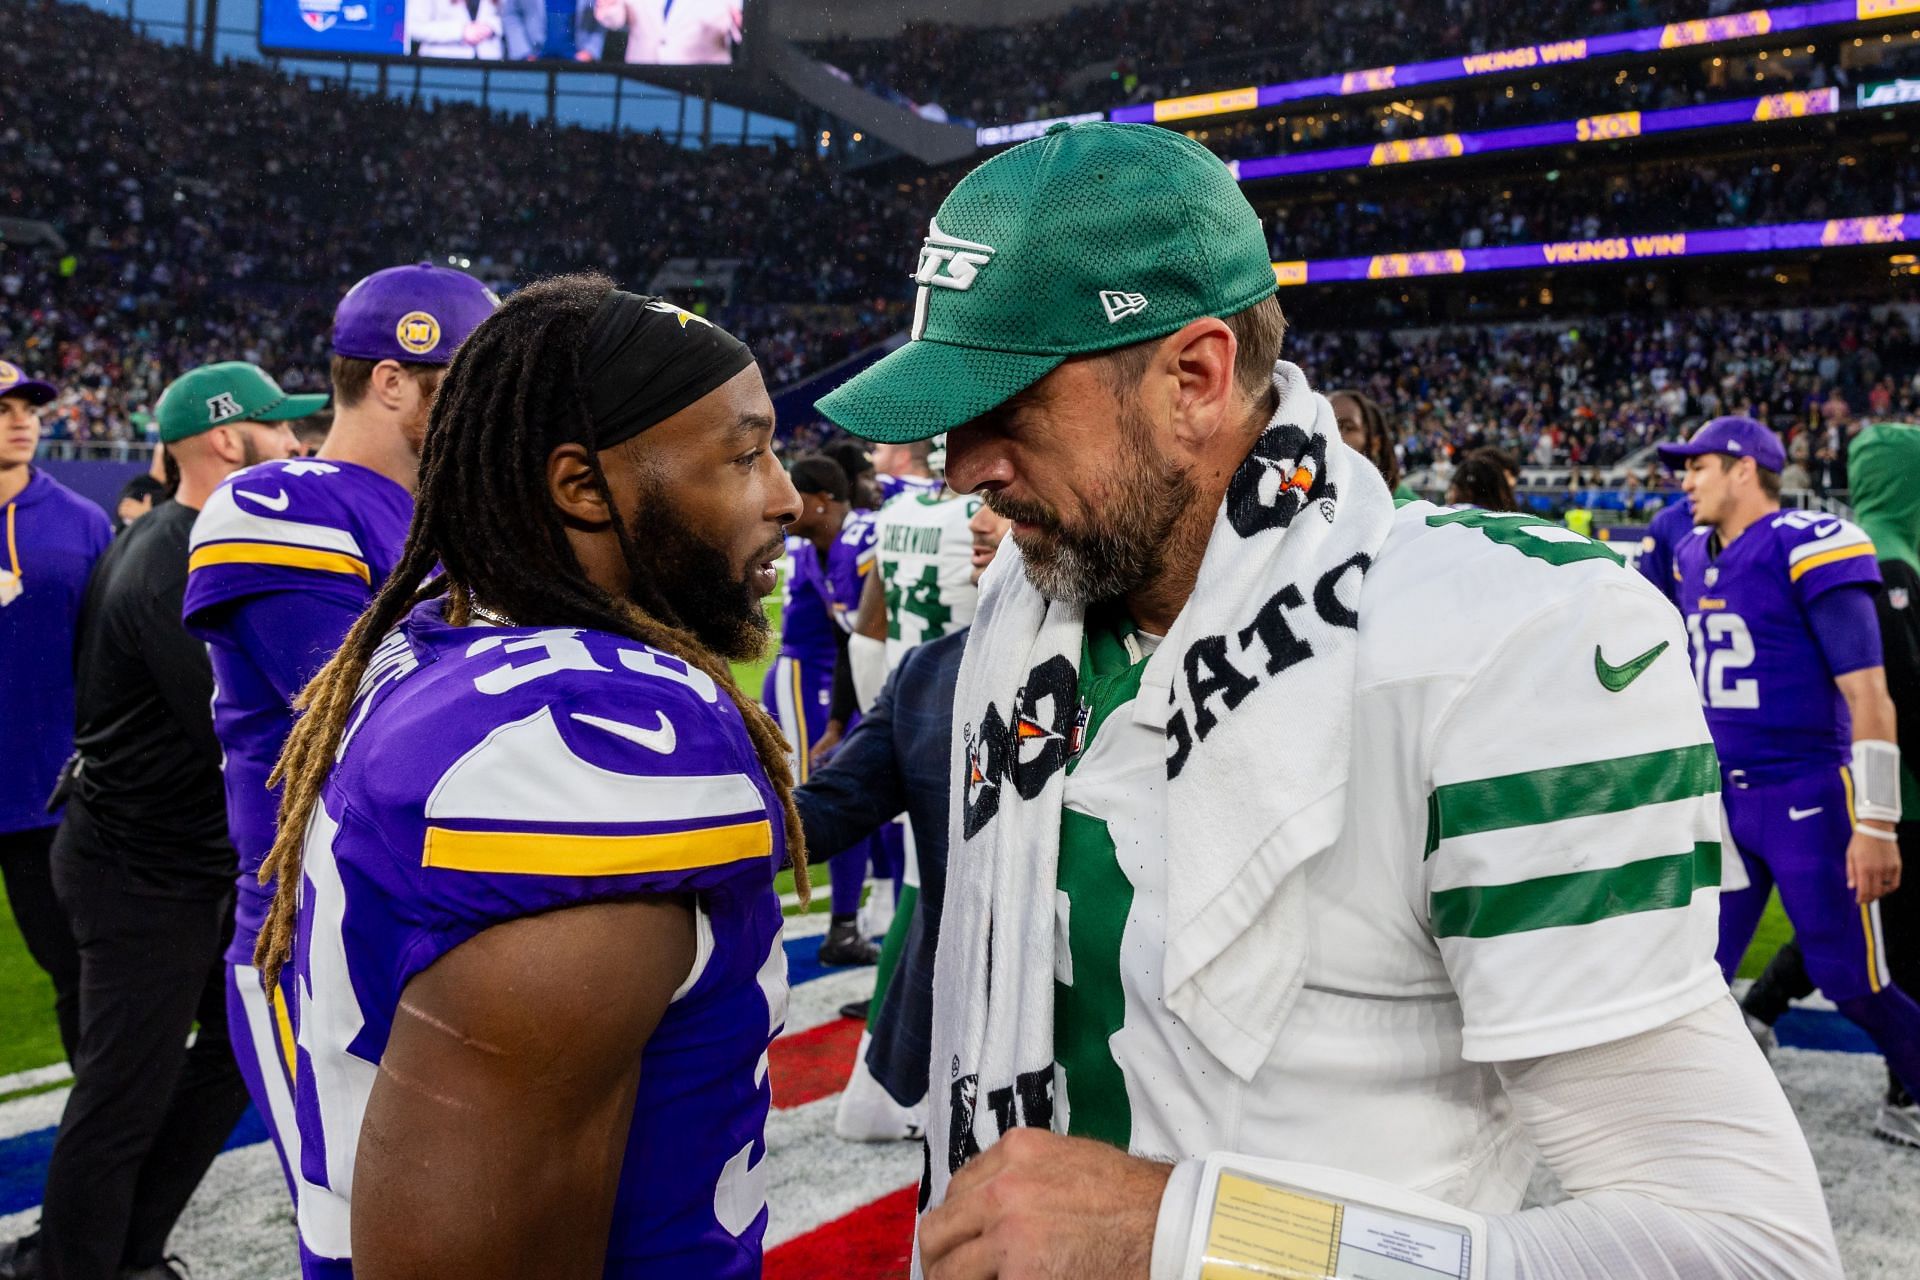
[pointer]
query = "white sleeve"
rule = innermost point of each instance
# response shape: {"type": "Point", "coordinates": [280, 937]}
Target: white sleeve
{"type": "Point", "coordinates": [1573, 860]}
{"type": "Point", "coordinates": [1682, 1156]}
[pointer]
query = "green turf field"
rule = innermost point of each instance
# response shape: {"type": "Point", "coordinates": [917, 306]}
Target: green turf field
{"type": "Point", "coordinates": [28, 1036]}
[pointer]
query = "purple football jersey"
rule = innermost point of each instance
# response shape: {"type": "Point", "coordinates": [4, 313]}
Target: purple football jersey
{"type": "Point", "coordinates": [493, 773]}
{"type": "Point", "coordinates": [848, 563]}
{"type": "Point", "coordinates": [1770, 700]}
{"type": "Point", "coordinates": [821, 599]}
{"type": "Point", "coordinates": [318, 538]}
{"type": "Point", "coordinates": [807, 629]}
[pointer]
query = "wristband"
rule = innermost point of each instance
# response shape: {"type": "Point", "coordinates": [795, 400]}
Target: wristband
{"type": "Point", "coordinates": [1889, 836]}
{"type": "Point", "coordinates": [1876, 780]}
{"type": "Point", "coordinates": [1248, 1217]}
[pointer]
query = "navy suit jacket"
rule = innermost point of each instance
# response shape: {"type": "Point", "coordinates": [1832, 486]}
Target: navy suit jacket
{"type": "Point", "coordinates": [893, 762]}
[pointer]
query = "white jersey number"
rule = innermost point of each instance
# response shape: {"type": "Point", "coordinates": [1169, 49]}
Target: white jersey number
{"type": "Point", "coordinates": [1722, 646]}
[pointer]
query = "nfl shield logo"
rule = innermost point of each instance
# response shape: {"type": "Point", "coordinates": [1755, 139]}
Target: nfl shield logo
{"type": "Point", "coordinates": [1897, 597]}
{"type": "Point", "coordinates": [1713, 576]}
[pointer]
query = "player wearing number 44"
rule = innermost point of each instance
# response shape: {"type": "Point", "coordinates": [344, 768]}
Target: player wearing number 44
{"type": "Point", "coordinates": [1786, 650]}
{"type": "Point", "coordinates": [526, 853]}
{"type": "Point", "coordinates": [1289, 826]}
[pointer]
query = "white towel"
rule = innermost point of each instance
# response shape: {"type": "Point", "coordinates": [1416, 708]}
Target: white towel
{"type": "Point", "coordinates": [1258, 724]}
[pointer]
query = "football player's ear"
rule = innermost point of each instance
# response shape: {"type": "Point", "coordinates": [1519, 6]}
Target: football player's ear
{"type": "Point", "coordinates": [573, 482]}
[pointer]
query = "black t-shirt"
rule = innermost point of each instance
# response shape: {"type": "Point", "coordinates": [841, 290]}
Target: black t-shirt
{"type": "Point", "coordinates": [149, 795]}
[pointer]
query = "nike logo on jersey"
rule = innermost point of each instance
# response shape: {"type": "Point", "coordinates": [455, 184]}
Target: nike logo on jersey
{"type": "Point", "coordinates": [278, 502]}
{"type": "Point", "coordinates": [660, 738]}
{"type": "Point", "coordinates": [1801, 815]}
{"type": "Point", "coordinates": [1615, 678]}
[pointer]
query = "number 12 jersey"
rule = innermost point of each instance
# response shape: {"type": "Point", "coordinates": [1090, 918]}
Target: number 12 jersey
{"type": "Point", "coordinates": [1770, 700]}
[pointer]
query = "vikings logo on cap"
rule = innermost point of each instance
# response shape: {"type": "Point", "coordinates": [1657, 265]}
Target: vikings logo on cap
{"type": "Point", "coordinates": [417, 332]}
{"type": "Point", "coordinates": [10, 374]}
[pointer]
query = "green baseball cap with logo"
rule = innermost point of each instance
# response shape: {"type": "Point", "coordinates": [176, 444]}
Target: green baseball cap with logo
{"type": "Point", "coordinates": [1092, 237]}
{"type": "Point", "coordinates": [232, 391]}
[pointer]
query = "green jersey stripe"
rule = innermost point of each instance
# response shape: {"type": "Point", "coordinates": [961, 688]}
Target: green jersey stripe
{"type": "Point", "coordinates": [1570, 791]}
{"type": "Point", "coordinates": [1579, 897]}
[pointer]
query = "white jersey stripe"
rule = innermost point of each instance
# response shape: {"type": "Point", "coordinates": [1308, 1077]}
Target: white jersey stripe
{"type": "Point", "coordinates": [525, 773]}
{"type": "Point", "coordinates": [224, 520]}
{"type": "Point", "coordinates": [1596, 842]}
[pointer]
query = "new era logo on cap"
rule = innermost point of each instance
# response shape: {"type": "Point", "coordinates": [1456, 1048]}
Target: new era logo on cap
{"type": "Point", "coordinates": [1119, 306]}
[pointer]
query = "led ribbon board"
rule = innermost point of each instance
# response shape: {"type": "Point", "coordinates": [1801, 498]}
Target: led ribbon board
{"type": "Point", "coordinates": [1833, 233]}
{"type": "Point", "coordinates": [1625, 124]}
{"type": "Point", "coordinates": [1674, 35]}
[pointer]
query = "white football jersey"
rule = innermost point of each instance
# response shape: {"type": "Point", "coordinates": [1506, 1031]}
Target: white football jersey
{"type": "Point", "coordinates": [925, 553]}
{"type": "Point", "coordinates": [1530, 865]}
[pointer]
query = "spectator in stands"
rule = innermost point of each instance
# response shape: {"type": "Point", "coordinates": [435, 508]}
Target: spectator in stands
{"type": "Point", "coordinates": [144, 870]}
{"type": "Point", "coordinates": [51, 538]}
{"type": "Point", "coordinates": [1795, 474]}
{"type": "Point", "coordinates": [1363, 425]}
{"type": "Point", "coordinates": [1479, 481]}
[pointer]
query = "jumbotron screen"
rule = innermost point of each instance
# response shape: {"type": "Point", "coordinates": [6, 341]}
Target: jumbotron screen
{"type": "Point", "coordinates": [677, 33]}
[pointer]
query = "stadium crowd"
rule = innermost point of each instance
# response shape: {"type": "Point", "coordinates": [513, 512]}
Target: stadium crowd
{"type": "Point", "coordinates": [1603, 90]}
{"type": "Point", "coordinates": [188, 238]}
{"type": "Point", "coordinates": [1590, 203]}
{"type": "Point", "coordinates": [180, 251]}
{"type": "Point", "coordinates": [1590, 394]}
{"type": "Point", "coordinates": [1097, 56]}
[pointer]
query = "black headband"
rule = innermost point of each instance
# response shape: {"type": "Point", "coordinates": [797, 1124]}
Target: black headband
{"type": "Point", "coordinates": [646, 360]}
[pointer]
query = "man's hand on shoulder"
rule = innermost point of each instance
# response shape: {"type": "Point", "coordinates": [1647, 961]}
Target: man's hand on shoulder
{"type": "Point", "coordinates": [1041, 1206]}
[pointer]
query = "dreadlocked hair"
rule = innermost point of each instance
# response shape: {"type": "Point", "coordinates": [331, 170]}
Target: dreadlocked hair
{"type": "Point", "coordinates": [1379, 448]}
{"type": "Point", "coordinates": [483, 514]}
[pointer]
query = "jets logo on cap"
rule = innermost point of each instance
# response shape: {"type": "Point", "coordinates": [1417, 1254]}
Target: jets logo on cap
{"type": "Point", "coordinates": [1119, 306]}
{"type": "Point", "coordinates": [222, 407]}
{"type": "Point", "coordinates": [946, 262]}
{"type": "Point", "coordinates": [417, 332]}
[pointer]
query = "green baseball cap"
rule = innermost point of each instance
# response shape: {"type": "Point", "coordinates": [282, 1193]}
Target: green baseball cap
{"type": "Point", "coordinates": [232, 391]}
{"type": "Point", "coordinates": [1092, 237]}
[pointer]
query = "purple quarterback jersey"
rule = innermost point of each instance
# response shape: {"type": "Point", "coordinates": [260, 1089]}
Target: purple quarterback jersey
{"type": "Point", "coordinates": [283, 558]}
{"type": "Point", "coordinates": [1771, 703]}
{"type": "Point", "coordinates": [493, 773]}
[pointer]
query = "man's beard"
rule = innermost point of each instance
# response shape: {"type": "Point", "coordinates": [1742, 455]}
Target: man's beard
{"type": "Point", "coordinates": [1125, 547]}
{"type": "Point", "coordinates": [710, 597]}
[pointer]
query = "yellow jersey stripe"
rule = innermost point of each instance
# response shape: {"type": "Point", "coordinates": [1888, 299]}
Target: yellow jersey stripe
{"type": "Point", "coordinates": [1828, 557]}
{"type": "Point", "coordinates": [284, 1025]}
{"type": "Point", "coordinates": [1866, 918]}
{"type": "Point", "coordinates": [274, 553]}
{"type": "Point", "coordinates": [546, 853]}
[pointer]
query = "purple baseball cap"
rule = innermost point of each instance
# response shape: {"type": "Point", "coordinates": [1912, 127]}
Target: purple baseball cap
{"type": "Point", "coordinates": [1737, 437]}
{"type": "Point", "coordinates": [416, 315]}
{"type": "Point", "coordinates": [13, 382]}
